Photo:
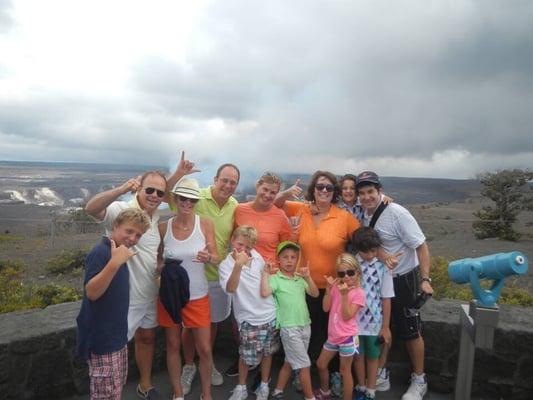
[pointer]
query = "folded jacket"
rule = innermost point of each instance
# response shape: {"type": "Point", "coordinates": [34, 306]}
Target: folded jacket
{"type": "Point", "coordinates": [174, 290]}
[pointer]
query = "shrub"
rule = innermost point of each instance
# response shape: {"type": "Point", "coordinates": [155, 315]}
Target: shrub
{"type": "Point", "coordinates": [15, 295]}
{"type": "Point", "coordinates": [66, 262]}
{"type": "Point", "coordinates": [55, 294]}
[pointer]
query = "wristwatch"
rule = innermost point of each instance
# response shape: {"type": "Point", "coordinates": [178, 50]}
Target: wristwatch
{"type": "Point", "coordinates": [428, 280]}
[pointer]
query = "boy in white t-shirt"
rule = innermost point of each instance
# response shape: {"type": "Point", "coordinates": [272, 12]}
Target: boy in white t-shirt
{"type": "Point", "coordinates": [240, 276]}
{"type": "Point", "coordinates": [374, 320]}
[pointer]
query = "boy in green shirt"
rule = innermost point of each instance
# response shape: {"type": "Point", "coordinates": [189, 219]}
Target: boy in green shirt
{"type": "Point", "coordinates": [289, 286]}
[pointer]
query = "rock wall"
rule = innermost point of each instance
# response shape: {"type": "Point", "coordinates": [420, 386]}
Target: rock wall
{"type": "Point", "coordinates": [37, 362]}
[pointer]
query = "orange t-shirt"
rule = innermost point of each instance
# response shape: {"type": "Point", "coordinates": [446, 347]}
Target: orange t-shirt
{"type": "Point", "coordinates": [272, 227]}
{"type": "Point", "coordinates": [322, 244]}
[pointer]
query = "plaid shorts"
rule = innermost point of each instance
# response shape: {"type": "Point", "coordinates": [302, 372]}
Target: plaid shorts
{"type": "Point", "coordinates": [108, 373]}
{"type": "Point", "coordinates": [257, 341]}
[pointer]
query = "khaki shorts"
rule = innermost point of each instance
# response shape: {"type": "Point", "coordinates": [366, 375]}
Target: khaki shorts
{"type": "Point", "coordinates": [295, 342]}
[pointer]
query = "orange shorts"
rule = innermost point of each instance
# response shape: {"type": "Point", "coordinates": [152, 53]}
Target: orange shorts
{"type": "Point", "coordinates": [196, 314]}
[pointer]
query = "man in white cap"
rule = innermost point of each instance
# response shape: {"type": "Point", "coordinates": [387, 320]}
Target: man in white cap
{"type": "Point", "coordinates": [401, 237]}
{"type": "Point", "coordinates": [149, 191]}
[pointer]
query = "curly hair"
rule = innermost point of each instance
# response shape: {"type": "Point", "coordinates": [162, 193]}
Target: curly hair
{"type": "Point", "coordinates": [310, 195]}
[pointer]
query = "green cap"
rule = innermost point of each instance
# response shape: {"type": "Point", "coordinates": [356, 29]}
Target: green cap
{"type": "Point", "coordinates": [287, 244]}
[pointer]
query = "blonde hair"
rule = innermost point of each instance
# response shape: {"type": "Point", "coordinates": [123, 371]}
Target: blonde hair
{"type": "Point", "coordinates": [247, 232]}
{"type": "Point", "coordinates": [135, 216]}
{"type": "Point", "coordinates": [350, 261]}
{"type": "Point", "coordinates": [270, 178]}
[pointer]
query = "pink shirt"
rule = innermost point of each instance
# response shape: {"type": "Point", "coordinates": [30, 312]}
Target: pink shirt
{"type": "Point", "coordinates": [339, 329]}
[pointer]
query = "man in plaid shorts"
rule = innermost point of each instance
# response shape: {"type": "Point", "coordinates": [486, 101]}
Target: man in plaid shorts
{"type": "Point", "coordinates": [240, 276]}
{"type": "Point", "coordinates": [102, 334]}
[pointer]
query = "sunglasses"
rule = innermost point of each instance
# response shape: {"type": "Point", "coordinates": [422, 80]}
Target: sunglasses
{"type": "Point", "coordinates": [184, 199]}
{"type": "Point", "coordinates": [151, 190]}
{"type": "Point", "coordinates": [321, 187]}
{"type": "Point", "coordinates": [349, 272]}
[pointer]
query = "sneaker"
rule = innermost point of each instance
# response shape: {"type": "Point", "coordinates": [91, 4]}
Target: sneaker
{"type": "Point", "coordinates": [216, 377]}
{"type": "Point", "coordinates": [277, 396]}
{"type": "Point", "coordinates": [335, 380]}
{"type": "Point", "coordinates": [262, 391]}
{"type": "Point", "coordinates": [233, 369]}
{"type": "Point", "coordinates": [187, 376]}
{"type": "Point", "coordinates": [319, 395]}
{"type": "Point", "coordinates": [296, 384]}
{"type": "Point", "coordinates": [368, 396]}
{"type": "Point", "coordinates": [239, 393]}
{"type": "Point", "coordinates": [358, 394]}
{"type": "Point", "coordinates": [416, 391]}
{"type": "Point", "coordinates": [382, 381]}
{"type": "Point", "coordinates": [150, 394]}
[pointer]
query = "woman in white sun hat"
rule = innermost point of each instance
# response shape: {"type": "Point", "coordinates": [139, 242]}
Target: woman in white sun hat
{"type": "Point", "coordinates": [191, 239]}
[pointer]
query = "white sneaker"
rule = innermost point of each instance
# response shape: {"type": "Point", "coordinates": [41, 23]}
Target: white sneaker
{"type": "Point", "coordinates": [262, 391]}
{"type": "Point", "coordinates": [416, 391]}
{"type": "Point", "coordinates": [187, 376]}
{"type": "Point", "coordinates": [216, 377]}
{"type": "Point", "coordinates": [382, 381]}
{"type": "Point", "coordinates": [239, 393]}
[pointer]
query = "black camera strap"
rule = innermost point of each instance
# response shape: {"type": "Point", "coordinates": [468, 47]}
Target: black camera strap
{"type": "Point", "coordinates": [382, 206]}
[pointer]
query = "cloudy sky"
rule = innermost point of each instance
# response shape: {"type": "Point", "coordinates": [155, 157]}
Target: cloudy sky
{"type": "Point", "coordinates": [407, 88]}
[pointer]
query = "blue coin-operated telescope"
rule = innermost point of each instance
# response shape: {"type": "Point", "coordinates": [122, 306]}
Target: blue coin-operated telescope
{"type": "Point", "coordinates": [495, 267]}
{"type": "Point", "coordinates": [479, 319]}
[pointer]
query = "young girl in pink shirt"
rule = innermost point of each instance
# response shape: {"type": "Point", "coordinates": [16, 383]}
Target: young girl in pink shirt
{"type": "Point", "coordinates": [343, 298]}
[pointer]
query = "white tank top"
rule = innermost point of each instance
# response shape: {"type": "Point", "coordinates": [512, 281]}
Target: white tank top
{"type": "Point", "coordinates": [186, 250]}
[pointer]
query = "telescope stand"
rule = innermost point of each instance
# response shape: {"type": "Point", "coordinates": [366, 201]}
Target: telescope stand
{"type": "Point", "coordinates": [477, 330]}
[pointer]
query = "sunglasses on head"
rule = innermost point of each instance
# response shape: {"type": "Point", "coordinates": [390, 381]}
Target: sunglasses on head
{"type": "Point", "coordinates": [151, 190]}
{"type": "Point", "coordinates": [349, 272]}
{"type": "Point", "coordinates": [184, 199]}
{"type": "Point", "coordinates": [321, 187]}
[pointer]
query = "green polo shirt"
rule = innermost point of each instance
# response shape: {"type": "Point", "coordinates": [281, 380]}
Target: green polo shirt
{"type": "Point", "coordinates": [222, 219]}
{"type": "Point", "coordinates": [289, 295]}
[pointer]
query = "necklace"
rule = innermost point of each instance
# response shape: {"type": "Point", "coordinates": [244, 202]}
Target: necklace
{"type": "Point", "coordinates": [182, 227]}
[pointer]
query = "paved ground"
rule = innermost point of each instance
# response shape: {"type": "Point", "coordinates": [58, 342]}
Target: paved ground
{"type": "Point", "coordinates": [223, 392]}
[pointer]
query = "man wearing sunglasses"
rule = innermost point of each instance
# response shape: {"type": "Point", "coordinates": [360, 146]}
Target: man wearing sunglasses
{"type": "Point", "coordinates": [400, 234]}
{"type": "Point", "coordinates": [149, 192]}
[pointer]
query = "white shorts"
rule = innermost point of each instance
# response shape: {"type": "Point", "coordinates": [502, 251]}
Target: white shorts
{"type": "Point", "coordinates": [295, 340]}
{"type": "Point", "coordinates": [219, 302]}
{"type": "Point", "coordinates": [143, 315]}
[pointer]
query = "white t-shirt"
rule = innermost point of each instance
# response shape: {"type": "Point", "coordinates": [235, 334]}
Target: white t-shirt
{"type": "Point", "coordinates": [376, 281]}
{"type": "Point", "coordinates": [142, 266]}
{"type": "Point", "coordinates": [248, 304]}
{"type": "Point", "coordinates": [399, 231]}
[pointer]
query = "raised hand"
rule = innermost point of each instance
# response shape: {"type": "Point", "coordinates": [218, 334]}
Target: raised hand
{"type": "Point", "coordinates": [343, 288]}
{"type": "Point", "coordinates": [392, 261]}
{"type": "Point", "coordinates": [330, 281]}
{"type": "Point", "coordinates": [202, 256]}
{"type": "Point", "coordinates": [120, 254]}
{"type": "Point", "coordinates": [241, 257]}
{"type": "Point", "coordinates": [295, 191]}
{"type": "Point", "coordinates": [295, 223]}
{"type": "Point", "coordinates": [270, 267]}
{"type": "Point", "coordinates": [303, 271]}
{"type": "Point", "coordinates": [186, 167]}
{"type": "Point", "coordinates": [131, 185]}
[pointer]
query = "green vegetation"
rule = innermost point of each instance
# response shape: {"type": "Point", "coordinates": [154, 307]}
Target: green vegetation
{"type": "Point", "coordinates": [8, 238]}
{"type": "Point", "coordinates": [16, 295]}
{"type": "Point", "coordinates": [444, 288]}
{"type": "Point", "coordinates": [509, 191]}
{"type": "Point", "coordinates": [66, 262]}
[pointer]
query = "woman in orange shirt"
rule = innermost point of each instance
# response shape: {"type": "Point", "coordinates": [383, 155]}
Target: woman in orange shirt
{"type": "Point", "coordinates": [324, 231]}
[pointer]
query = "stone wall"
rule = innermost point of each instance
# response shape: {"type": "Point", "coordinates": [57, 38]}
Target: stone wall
{"type": "Point", "coordinates": [36, 353]}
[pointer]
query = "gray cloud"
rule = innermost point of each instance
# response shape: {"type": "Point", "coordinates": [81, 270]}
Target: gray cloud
{"type": "Point", "coordinates": [300, 86]}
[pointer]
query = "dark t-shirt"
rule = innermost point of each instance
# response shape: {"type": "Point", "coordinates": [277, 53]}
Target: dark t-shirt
{"type": "Point", "coordinates": [103, 323]}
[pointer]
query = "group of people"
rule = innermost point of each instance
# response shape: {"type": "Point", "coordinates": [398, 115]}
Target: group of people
{"type": "Point", "coordinates": [318, 276]}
